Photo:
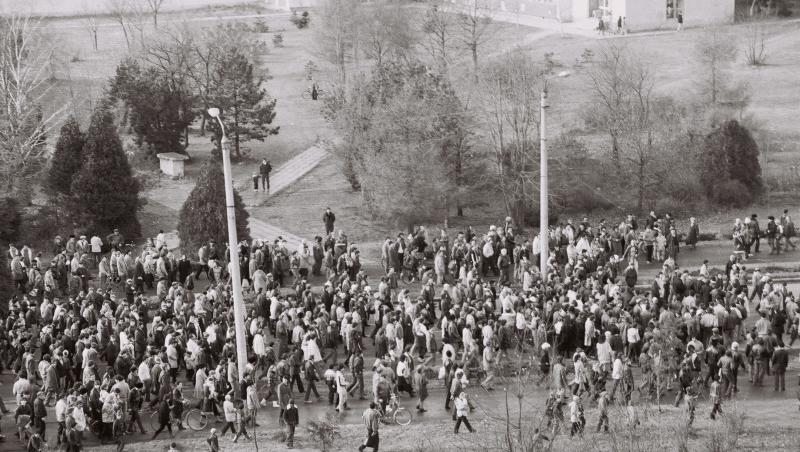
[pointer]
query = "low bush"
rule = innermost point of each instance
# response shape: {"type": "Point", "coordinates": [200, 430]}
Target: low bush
{"type": "Point", "coordinates": [277, 40]}
{"type": "Point", "coordinates": [300, 21]}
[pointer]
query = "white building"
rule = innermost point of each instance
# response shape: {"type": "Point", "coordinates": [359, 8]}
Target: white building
{"type": "Point", "coordinates": [287, 5]}
{"type": "Point", "coordinates": [639, 14]}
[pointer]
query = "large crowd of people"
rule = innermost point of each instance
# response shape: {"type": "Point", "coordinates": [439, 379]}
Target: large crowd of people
{"type": "Point", "coordinates": [104, 331]}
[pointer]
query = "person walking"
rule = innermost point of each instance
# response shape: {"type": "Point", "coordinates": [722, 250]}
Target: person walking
{"type": "Point", "coordinates": [780, 360]}
{"type": "Point", "coordinates": [264, 171]}
{"type": "Point", "coordinates": [357, 368]}
{"type": "Point", "coordinates": [341, 389]}
{"type": "Point", "coordinates": [230, 416]}
{"type": "Point", "coordinates": [602, 408]}
{"type": "Point", "coordinates": [716, 400]}
{"type": "Point", "coordinates": [312, 376]}
{"type": "Point", "coordinates": [213, 441]}
{"type": "Point", "coordinates": [164, 417]}
{"type": "Point", "coordinates": [135, 400]}
{"type": "Point", "coordinates": [371, 418]}
{"type": "Point", "coordinates": [576, 416]}
{"type": "Point", "coordinates": [40, 414]}
{"type": "Point", "coordinates": [291, 417]}
{"type": "Point", "coordinates": [241, 422]}
{"type": "Point", "coordinates": [462, 408]}
{"type": "Point", "coordinates": [421, 382]}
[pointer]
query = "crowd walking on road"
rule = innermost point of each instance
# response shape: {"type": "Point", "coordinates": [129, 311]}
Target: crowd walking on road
{"type": "Point", "coordinates": [108, 333]}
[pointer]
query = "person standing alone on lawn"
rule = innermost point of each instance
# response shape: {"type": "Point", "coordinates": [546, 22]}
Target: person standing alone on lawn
{"type": "Point", "coordinates": [264, 170]}
{"type": "Point", "coordinates": [328, 218]}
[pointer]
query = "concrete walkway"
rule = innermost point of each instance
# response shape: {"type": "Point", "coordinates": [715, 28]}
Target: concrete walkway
{"type": "Point", "coordinates": [282, 177]}
{"type": "Point", "coordinates": [172, 196]}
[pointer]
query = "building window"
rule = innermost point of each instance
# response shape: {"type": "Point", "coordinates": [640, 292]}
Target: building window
{"type": "Point", "coordinates": [674, 7]}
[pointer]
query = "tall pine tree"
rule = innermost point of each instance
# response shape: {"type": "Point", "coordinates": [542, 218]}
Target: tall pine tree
{"type": "Point", "coordinates": [67, 158]}
{"type": "Point", "coordinates": [203, 216]}
{"type": "Point", "coordinates": [104, 193]}
{"type": "Point", "coordinates": [246, 109]}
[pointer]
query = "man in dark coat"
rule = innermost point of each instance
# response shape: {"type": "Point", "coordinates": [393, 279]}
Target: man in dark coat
{"type": "Point", "coordinates": [292, 418]}
{"type": "Point", "coordinates": [264, 171]}
{"type": "Point", "coordinates": [164, 415]}
{"type": "Point", "coordinates": [184, 269]}
{"type": "Point", "coordinates": [328, 218]}
{"type": "Point", "coordinates": [780, 360]}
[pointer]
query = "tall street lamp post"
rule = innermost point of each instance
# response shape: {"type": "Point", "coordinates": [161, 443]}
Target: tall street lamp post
{"type": "Point", "coordinates": [233, 246]}
{"type": "Point", "coordinates": [544, 214]}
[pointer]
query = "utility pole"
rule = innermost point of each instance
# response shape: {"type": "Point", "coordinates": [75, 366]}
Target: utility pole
{"type": "Point", "coordinates": [543, 213]}
{"type": "Point", "coordinates": [233, 247]}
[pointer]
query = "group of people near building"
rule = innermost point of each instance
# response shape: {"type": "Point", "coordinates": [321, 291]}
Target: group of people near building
{"type": "Point", "coordinates": [107, 333]}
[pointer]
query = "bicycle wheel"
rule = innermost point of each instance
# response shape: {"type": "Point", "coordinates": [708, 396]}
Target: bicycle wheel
{"type": "Point", "coordinates": [196, 420]}
{"type": "Point", "coordinates": [154, 424]}
{"type": "Point", "coordinates": [402, 416]}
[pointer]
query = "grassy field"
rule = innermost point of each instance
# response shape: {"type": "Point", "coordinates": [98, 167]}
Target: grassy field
{"type": "Point", "coordinates": [81, 75]}
{"type": "Point", "coordinates": [773, 107]}
{"type": "Point", "coordinates": [66, 8]}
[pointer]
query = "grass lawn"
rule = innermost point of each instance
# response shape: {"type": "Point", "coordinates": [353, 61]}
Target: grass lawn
{"type": "Point", "coordinates": [81, 76]}
{"type": "Point", "coordinates": [774, 101]}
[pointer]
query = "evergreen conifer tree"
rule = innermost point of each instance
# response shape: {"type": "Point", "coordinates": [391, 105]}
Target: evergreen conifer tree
{"type": "Point", "coordinates": [731, 172]}
{"type": "Point", "coordinates": [246, 108]}
{"type": "Point", "coordinates": [104, 193]}
{"type": "Point", "coordinates": [67, 158]}
{"type": "Point", "coordinates": [203, 216]}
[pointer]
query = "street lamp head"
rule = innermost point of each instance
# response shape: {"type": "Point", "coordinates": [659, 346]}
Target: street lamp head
{"type": "Point", "coordinates": [213, 112]}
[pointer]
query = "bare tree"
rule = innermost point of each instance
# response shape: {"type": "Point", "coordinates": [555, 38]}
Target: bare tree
{"type": "Point", "coordinates": [138, 18]}
{"type": "Point", "coordinates": [473, 24]}
{"type": "Point", "coordinates": [437, 26]}
{"type": "Point", "coordinates": [607, 84]}
{"type": "Point", "coordinates": [90, 22]}
{"type": "Point", "coordinates": [645, 129]}
{"type": "Point", "coordinates": [119, 10]}
{"type": "Point", "coordinates": [715, 53]}
{"type": "Point", "coordinates": [756, 47]}
{"type": "Point", "coordinates": [337, 34]}
{"type": "Point", "coordinates": [173, 53]}
{"type": "Point", "coordinates": [387, 31]}
{"type": "Point", "coordinates": [25, 87]}
{"type": "Point", "coordinates": [155, 8]}
{"type": "Point", "coordinates": [509, 110]}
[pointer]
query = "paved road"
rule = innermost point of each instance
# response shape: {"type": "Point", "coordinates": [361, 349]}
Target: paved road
{"type": "Point", "coordinates": [488, 403]}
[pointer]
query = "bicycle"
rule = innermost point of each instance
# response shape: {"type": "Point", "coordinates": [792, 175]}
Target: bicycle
{"type": "Point", "coordinates": [308, 93]}
{"type": "Point", "coordinates": [194, 418]}
{"type": "Point", "coordinates": [395, 413]}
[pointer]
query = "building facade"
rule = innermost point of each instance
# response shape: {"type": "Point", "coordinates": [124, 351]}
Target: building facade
{"type": "Point", "coordinates": [639, 14]}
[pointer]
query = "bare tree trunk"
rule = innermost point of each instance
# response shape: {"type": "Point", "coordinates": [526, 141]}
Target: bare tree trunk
{"type": "Point", "coordinates": [474, 48]}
